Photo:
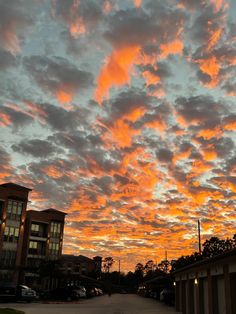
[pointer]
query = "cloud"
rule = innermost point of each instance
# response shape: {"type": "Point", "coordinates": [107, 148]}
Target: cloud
{"type": "Point", "coordinates": [58, 76]}
{"type": "Point", "coordinates": [6, 170]}
{"type": "Point", "coordinates": [164, 155]}
{"type": "Point", "coordinates": [37, 148]}
{"type": "Point", "coordinates": [81, 16]}
{"type": "Point", "coordinates": [12, 115]}
{"type": "Point", "coordinates": [199, 109]}
{"type": "Point", "coordinates": [6, 60]}
{"type": "Point", "coordinates": [13, 24]}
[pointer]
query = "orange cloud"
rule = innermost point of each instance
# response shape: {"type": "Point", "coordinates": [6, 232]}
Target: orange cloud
{"type": "Point", "coordinates": [209, 155]}
{"type": "Point", "coordinates": [214, 38]}
{"type": "Point", "coordinates": [10, 39]}
{"type": "Point", "coordinates": [64, 96]}
{"type": "Point", "coordinates": [107, 7]}
{"type": "Point", "coordinates": [151, 78]}
{"type": "Point", "coordinates": [52, 172]}
{"type": "Point", "coordinates": [174, 47]}
{"type": "Point", "coordinates": [121, 132]}
{"type": "Point", "coordinates": [160, 126]}
{"type": "Point", "coordinates": [116, 70]}
{"type": "Point", "coordinates": [5, 119]}
{"type": "Point", "coordinates": [77, 25]}
{"type": "Point", "coordinates": [230, 126]}
{"type": "Point", "coordinates": [36, 110]}
{"type": "Point", "coordinates": [218, 4]}
{"type": "Point", "coordinates": [211, 67]}
{"type": "Point", "coordinates": [207, 134]}
{"type": "Point", "coordinates": [137, 3]}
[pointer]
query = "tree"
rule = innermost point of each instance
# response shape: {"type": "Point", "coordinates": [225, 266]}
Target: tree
{"type": "Point", "coordinates": [139, 268]}
{"type": "Point", "coordinates": [149, 266]}
{"type": "Point", "coordinates": [164, 266]}
{"type": "Point", "coordinates": [107, 263]}
{"type": "Point", "coordinates": [215, 246]}
{"type": "Point", "coordinates": [139, 273]}
{"type": "Point", "coordinates": [212, 247]}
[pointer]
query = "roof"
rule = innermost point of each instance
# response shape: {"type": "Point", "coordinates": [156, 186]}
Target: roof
{"type": "Point", "coordinates": [217, 258]}
{"type": "Point", "coordinates": [79, 258]}
{"type": "Point", "coordinates": [53, 211]}
{"type": "Point", "coordinates": [14, 186]}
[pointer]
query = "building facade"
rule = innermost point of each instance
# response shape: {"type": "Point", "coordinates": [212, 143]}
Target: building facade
{"type": "Point", "coordinates": [81, 265]}
{"type": "Point", "coordinates": [208, 286]}
{"type": "Point", "coordinates": [28, 239]}
{"type": "Point", "coordinates": [43, 239]}
{"type": "Point", "coordinates": [13, 204]}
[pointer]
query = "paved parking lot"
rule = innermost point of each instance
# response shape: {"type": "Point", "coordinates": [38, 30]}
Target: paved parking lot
{"type": "Point", "coordinates": [116, 304]}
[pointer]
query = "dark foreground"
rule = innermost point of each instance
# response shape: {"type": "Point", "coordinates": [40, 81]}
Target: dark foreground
{"type": "Point", "coordinates": [116, 304]}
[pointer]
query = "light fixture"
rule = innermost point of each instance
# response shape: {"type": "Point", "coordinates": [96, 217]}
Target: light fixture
{"type": "Point", "coordinates": [195, 281]}
{"type": "Point", "coordinates": [174, 283]}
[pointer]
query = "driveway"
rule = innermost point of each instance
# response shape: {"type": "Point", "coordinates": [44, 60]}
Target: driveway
{"type": "Point", "coordinates": [116, 304]}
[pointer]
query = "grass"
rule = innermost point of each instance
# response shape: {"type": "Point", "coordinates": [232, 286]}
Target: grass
{"type": "Point", "coordinates": [10, 311]}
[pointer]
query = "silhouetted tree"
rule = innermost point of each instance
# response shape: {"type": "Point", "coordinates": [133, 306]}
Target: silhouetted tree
{"type": "Point", "coordinates": [212, 247]}
{"type": "Point", "coordinates": [139, 272]}
{"type": "Point", "coordinates": [107, 263]}
{"type": "Point", "coordinates": [149, 266]}
{"type": "Point", "coordinates": [164, 266]}
{"type": "Point", "coordinates": [216, 246]}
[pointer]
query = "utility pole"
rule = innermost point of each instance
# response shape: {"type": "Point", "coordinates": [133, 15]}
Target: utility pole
{"type": "Point", "coordinates": [166, 266]}
{"type": "Point", "coordinates": [199, 236]}
{"type": "Point", "coordinates": [119, 272]}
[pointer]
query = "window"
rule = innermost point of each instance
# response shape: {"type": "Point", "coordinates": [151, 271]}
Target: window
{"type": "Point", "coordinates": [54, 248]}
{"type": "Point", "coordinates": [14, 210]}
{"type": "Point", "coordinates": [8, 258]}
{"type": "Point", "coordinates": [55, 229]}
{"type": "Point", "coordinates": [11, 234]}
{"type": "Point", "coordinates": [33, 245]}
{"type": "Point", "coordinates": [33, 248]}
{"type": "Point", "coordinates": [35, 227]}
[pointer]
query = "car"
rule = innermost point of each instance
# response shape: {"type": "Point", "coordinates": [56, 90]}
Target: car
{"type": "Point", "coordinates": [65, 294]}
{"type": "Point", "coordinates": [81, 291]}
{"type": "Point", "coordinates": [90, 292]}
{"type": "Point", "coordinates": [17, 293]}
{"type": "Point", "coordinates": [167, 296]}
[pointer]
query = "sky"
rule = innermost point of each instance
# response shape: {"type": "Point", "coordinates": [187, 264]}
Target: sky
{"type": "Point", "coordinates": [122, 114]}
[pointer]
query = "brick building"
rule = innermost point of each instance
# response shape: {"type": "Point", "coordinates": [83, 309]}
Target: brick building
{"type": "Point", "coordinates": [77, 265]}
{"type": "Point", "coordinates": [43, 240]}
{"type": "Point", "coordinates": [13, 203]}
{"type": "Point", "coordinates": [26, 237]}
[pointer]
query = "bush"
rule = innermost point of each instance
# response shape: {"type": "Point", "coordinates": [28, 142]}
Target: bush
{"type": "Point", "coordinates": [10, 311]}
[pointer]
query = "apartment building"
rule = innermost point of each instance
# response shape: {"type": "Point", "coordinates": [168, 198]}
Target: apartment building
{"type": "Point", "coordinates": [13, 204]}
{"type": "Point", "coordinates": [43, 240]}
{"type": "Point", "coordinates": [27, 237]}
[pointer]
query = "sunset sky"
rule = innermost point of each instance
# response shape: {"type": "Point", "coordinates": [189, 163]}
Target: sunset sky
{"type": "Point", "coordinates": [122, 114]}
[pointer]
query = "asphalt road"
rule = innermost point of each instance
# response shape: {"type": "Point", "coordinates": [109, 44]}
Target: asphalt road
{"type": "Point", "coordinates": [116, 304]}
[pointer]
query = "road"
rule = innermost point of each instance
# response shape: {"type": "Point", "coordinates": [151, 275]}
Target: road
{"type": "Point", "coordinates": [116, 304]}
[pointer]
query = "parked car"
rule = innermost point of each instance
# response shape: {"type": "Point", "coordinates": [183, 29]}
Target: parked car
{"type": "Point", "coordinates": [17, 293]}
{"type": "Point", "coordinates": [66, 294]}
{"type": "Point", "coordinates": [168, 296]}
{"type": "Point", "coordinates": [90, 292]}
{"type": "Point", "coordinates": [81, 291]}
